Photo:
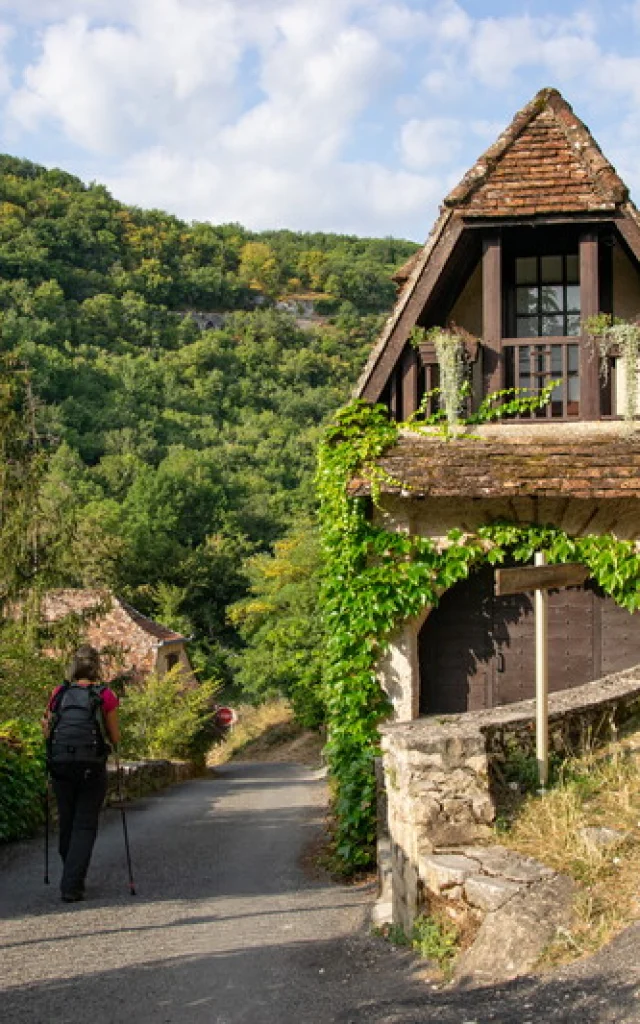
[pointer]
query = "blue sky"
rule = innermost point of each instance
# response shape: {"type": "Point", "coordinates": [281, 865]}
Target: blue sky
{"type": "Point", "coordinates": [337, 115]}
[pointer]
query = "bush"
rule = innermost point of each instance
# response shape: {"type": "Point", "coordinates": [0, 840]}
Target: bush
{"type": "Point", "coordinates": [22, 779]}
{"type": "Point", "coordinates": [27, 677]}
{"type": "Point", "coordinates": [164, 718]}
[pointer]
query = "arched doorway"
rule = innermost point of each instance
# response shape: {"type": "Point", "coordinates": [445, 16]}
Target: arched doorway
{"type": "Point", "coordinates": [478, 651]}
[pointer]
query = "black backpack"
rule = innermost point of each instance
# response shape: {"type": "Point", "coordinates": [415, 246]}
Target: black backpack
{"type": "Point", "coordinates": [77, 734]}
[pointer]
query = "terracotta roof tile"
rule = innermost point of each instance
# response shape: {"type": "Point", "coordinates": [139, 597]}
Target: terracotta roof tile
{"type": "Point", "coordinates": [154, 629]}
{"type": "Point", "coordinates": [602, 467]}
{"type": "Point", "coordinates": [546, 161]}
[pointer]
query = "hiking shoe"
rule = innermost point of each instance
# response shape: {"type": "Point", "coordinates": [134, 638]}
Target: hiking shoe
{"type": "Point", "coordinates": [72, 897]}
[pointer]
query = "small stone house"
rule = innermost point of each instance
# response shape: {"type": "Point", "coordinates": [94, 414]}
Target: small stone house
{"type": "Point", "coordinates": [132, 646]}
{"type": "Point", "coordinates": [539, 236]}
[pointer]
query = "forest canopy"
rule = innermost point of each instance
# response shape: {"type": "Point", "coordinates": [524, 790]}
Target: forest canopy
{"type": "Point", "coordinates": [178, 461]}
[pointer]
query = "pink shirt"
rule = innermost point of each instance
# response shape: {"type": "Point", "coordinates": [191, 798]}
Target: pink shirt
{"type": "Point", "coordinates": [108, 697]}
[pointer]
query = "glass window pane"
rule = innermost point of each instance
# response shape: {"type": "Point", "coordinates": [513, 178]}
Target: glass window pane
{"type": "Point", "coordinates": [573, 269]}
{"type": "Point", "coordinates": [527, 300]}
{"type": "Point", "coordinates": [526, 270]}
{"type": "Point", "coordinates": [573, 358]}
{"type": "Point", "coordinates": [573, 326]}
{"type": "Point", "coordinates": [573, 389]}
{"type": "Point", "coordinates": [527, 327]}
{"type": "Point", "coordinates": [552, 298]}
{"type": "Point", "coordinates": [573, 298]}
{"type": "Point", "coordinates": [552, 326]}
{"type": "Point", "coordinates": [551, 269]}
{"type": "Point", "coordinates": [556, 361]}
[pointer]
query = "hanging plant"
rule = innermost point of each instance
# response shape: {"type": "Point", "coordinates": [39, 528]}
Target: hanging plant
{"type": "Point", "coordinates": [621, 338]}
{"type": "Point", "coordinates": [451, 349]}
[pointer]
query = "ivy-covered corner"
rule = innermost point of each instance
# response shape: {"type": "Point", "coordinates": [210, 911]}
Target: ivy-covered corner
{"type": "Point", "coordinates": [375, 579]}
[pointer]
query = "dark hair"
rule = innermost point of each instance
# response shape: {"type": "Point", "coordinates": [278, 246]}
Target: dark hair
{"type": "Point", "coordinates": [84, 664]}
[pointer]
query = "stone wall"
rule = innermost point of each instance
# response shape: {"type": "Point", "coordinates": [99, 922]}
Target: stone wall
{"type": "Point", "coordinates": [446, 776]}
{"type": "Point", "coordinates": [139, 778]}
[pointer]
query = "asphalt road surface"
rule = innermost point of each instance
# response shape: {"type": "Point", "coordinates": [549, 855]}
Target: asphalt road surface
{"type": "Point", "coordinates": [230, 927]}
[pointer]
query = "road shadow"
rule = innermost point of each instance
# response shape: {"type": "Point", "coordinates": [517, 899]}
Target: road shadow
{"type": "Point", "coordinates": [337, 982]}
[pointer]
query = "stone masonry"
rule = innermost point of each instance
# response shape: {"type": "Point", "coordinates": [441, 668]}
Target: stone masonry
{"type": "Point", "coordinates": [443, 779]}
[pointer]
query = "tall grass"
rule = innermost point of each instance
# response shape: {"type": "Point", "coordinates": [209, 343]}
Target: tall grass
{"type": "Point", "coordinates": [599, 790]}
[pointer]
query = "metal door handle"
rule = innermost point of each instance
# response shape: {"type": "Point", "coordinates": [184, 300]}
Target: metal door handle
{"type": "Point", "coordinates": [500, 661]}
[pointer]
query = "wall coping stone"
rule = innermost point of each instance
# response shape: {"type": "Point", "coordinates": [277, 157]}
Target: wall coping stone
{"type": "Point", "coordinates": [428, 734]}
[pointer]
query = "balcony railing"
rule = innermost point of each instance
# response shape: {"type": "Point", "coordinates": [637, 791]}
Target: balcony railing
{"type": "Point", "coordinates": [533, 363]}
{"type": "Point", "coordinates": [527, 363]}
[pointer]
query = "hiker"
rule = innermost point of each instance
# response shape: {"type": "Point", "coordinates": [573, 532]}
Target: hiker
{"type": "Point", "coordinates": [80, 726]}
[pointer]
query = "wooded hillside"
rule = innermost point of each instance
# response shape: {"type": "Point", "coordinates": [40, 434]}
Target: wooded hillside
{"type": "Point", "coordinates": [176, 458]}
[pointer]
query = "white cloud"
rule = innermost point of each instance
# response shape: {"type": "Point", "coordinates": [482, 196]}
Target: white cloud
{"type": "Point", "coordinates": [39, 11]}
{"type": "Point", "coordinates": [313, 97]}
{"type": "Point", "coordinates": [619, 76]}
{"type": "Point", "coordinates": [6, 36]}
{"type": "Point", "coordinates": [107, 85]}
{"type": "Point", "coordinates": [254, 109]}
{"type": "Point", "coordinates": [427, 143]}
{"type": "Point", "coordinates": [362, 198]}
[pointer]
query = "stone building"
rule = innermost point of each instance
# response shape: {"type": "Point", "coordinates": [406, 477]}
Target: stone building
{"type": "Point", "coordinates": [132, 646]}
{"type": "Point", "coordinates": [539, 235]}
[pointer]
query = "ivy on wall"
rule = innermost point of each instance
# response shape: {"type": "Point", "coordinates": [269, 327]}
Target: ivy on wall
{"type": "Point", "coordinates": [374, 579]}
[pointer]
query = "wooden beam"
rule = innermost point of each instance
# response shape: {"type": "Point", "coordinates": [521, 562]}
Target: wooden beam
{"type": "Point", "coordinates": [629, 228]}
{"type": "Point", "coordinates": [589, 306]}
{"type": "Point", "coordinates": [538, 220]}
{"type": "Point", "coordinates": [539, 577]}
{"type": "Point", "coordinates": [492, 314]}
{"type": "Point", "coordinates": [395, 395]}
{"type": "Point", "coordinates": [409, 367]}
{"type": "Point", "coordinates": [409, 315]}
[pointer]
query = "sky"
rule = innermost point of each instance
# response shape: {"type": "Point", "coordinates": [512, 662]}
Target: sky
{"type": "Point", "coordinates": [349, 116]}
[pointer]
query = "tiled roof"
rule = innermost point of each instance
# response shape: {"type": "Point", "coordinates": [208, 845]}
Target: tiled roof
{"type": "Point", "coordinates": [154, 629]}
{"type": "Point", "coordinates": [545, 162]}
{"type": "Point", "coordinates": [512, 464]}
{"type": "Point", "coordinates": [58, 603]}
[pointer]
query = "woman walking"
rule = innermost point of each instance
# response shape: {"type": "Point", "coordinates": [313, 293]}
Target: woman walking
{"type": "Point", "coordinates": [81, 727]}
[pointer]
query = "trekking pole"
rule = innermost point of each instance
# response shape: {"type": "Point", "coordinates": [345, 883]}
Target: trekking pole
{"type": "Point", "coordinates": [132, 890]}
{"type": "Point", "coordinates": [47, 822]}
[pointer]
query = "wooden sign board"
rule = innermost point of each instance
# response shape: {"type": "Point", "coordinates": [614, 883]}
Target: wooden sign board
{"type": "Point", "coordinates": [539, 577]}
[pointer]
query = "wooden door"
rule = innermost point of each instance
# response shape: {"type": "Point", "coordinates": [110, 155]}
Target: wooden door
{"type": "Point", "coordinates": [478, 651]}
{"type": "Point", "coordinates": [457, 650]}
{"type": "Point", "coordinates": [571, 643]}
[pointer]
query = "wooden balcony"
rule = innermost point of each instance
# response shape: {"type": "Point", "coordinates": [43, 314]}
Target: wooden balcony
{"type": "Point", "coordinates": [582, 392]}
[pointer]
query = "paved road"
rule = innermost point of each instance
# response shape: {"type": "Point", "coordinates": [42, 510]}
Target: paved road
{"type": "Point", "coordinates": [227, 928]}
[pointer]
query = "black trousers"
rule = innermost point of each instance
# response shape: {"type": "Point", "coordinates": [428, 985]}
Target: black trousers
{"type": "Point", "coordinates": [80, 792]}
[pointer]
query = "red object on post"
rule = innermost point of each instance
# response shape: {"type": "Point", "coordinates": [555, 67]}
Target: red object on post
{"type": "Point", "coordinates": [225, 717]}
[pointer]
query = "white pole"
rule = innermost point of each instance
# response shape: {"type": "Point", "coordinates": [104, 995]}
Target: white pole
{"type": "Point", "coordinates": [542, 678]}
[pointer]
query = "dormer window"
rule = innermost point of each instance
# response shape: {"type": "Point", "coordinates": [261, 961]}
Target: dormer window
{"type": "Point", "coordinates": [547, 296]}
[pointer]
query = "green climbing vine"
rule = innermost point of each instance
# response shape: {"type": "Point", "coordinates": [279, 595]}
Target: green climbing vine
{"type": "Point", "coordinates": [374, 579]}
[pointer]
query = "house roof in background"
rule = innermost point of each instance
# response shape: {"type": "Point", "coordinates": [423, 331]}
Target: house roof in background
{"type": "Point", "coordinates": [58, 603]}
{"type": "Point", "coordinates": [154, 629]}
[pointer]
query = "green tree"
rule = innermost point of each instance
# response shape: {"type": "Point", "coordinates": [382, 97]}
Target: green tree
{"type": "Point", "coordinates": [280, 624]}
{"type": "Point", "coordinates": [259, 268]}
